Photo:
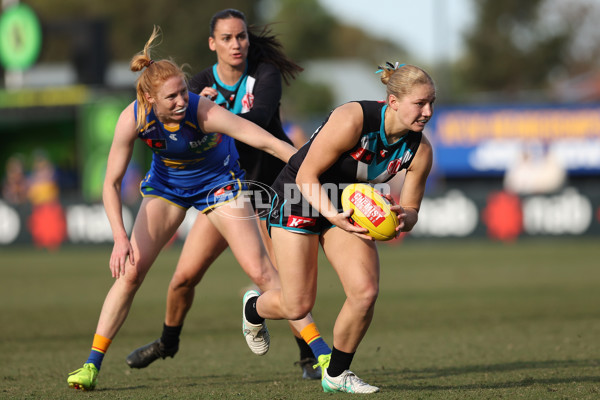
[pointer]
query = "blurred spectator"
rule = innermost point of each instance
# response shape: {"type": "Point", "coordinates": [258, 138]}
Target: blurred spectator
{"type": "Point", "coordinates": [47, 222]}
{"type": "Point", "coordinates": [537, 171]}
{"type": "Point", "coordinates": [43, 187]}
{"type": "Point", "coordinates": [14, 187]}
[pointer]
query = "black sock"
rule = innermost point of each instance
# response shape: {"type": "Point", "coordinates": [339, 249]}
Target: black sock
{"type": "Point", "coordinates": [339, 362]}
{"type": "Point", "coordinates": [305, 351]}
{"type": "Point", "coordinates": [251, 313]}
{"type": "Point", "coordinates": [170, 335]}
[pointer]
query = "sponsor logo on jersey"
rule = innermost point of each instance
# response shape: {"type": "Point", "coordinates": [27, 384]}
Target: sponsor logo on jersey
{"type": "Point", "coordinates": [406, 157]}
{"type": "Point", "coordinates": [275, 213]}
{"type": "Point", "coordinates": [363, 155]}
{"type": "Point", "coordinates": [156, 143]}
{"type": "Point", "coordinates": [207, 142]}
{"type": "Point", "coordinates": [223, 190]}
{"type": "Point", "coordinates": [247, 101]}
{"type": "Point", "coordinates": [295, 221]}
{"type": "Point", "coordinates": [383, 151]}
{"type": "Point", "coordinates": [368, 207]}
{"type": "Point", "coordinates": [148, 128]}
{"type": "Point", "coordinates": [395, 165]}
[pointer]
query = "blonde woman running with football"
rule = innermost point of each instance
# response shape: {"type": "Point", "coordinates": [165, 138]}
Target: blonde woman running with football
{"type": "Point", "coordinates": [361, 141]}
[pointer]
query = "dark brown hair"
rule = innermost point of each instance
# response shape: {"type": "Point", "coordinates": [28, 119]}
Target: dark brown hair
{"type": "Point", "coordinates": [264, 45]}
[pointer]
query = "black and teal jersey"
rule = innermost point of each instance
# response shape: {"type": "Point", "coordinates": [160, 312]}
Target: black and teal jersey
{"type": "Point", "coordinates": [185, 156]}
{"type": "Point", "coordinates": [372, 159]}
{"type": "Point", "coordinates": [256, 97]}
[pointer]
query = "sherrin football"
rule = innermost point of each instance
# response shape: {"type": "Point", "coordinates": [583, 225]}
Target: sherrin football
{"type": "Point", "coordinates": [371, 210]}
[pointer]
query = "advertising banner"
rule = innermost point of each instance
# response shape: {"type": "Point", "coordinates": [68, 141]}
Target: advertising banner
{"type": "Point", "coordinates": [455, 213]}
{"type": "Point", "coordinates": [485, 141]}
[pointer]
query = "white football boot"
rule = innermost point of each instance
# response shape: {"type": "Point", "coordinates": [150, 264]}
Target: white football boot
{"type": "Point", "coordinates": [257, 335]}
{"type": "Point", "coordinates": [347, 382]}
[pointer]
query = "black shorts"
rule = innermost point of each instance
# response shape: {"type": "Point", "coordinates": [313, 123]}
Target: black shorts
{"type": "Point", "coordinates": [260, 168]}
{"type": "Point", "coordinates": [296, 216]}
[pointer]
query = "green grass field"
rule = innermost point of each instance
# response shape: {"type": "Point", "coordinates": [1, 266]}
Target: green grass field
{"type": "Point", "coordinates": [454, 320]}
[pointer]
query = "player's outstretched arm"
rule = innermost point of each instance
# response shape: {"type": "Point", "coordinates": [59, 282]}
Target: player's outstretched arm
{"type": "Point", "coordinates": [214, 118]}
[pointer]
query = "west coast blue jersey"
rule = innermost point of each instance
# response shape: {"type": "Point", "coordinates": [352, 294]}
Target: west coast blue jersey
{"type": "Point", "coordinates": [185, 156]}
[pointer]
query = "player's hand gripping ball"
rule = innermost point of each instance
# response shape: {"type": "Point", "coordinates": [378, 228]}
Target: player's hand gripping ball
{"type": "Point", "coordinates": [371, 211]}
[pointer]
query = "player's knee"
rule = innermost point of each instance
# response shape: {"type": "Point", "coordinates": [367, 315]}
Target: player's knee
{"type": "Point", "coordinates": [181, 282]}
{"type": "Point", "coordinates": [365, 298]}
{"type": "Point", "coordinates": [132, 279]}
{"type": "Point", "coordinates": [298, 309]}
{"type": "Point", "coordinates": [296, 313]}
{"type": "Point", "coordinates": [264, 281]}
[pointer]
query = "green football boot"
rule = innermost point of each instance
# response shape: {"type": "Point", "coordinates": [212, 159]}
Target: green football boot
{"type": "Point", "coordinates": [84, 378]}
{"type": "Point", "coordinates": [322, 363]}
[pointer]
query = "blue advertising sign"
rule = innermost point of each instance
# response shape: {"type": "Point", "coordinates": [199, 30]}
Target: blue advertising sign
{"type": "Point", "coordinates": [485, 141]}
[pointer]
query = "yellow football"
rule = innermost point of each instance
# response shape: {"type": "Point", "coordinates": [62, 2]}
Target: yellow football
{"type": "Point", "coordinates": [371, 210]}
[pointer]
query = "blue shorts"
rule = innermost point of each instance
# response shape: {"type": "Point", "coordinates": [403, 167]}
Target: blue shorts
{"type": "Point", "coordinates": [204, 197]}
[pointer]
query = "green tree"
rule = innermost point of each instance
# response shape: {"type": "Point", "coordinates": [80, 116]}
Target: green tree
{"type": "Point", "coordinates": [185, 26]}
{"type": "Point", "coordinates": [309, 32]}
{"type": "Point", "coordinates": [517, 48]}
{"type": "Point", "coordinates": [306, 30]}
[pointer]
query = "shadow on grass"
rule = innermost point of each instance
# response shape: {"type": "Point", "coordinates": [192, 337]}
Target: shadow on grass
{"type": "Point", "coordinates": [499, 385]}
{"type": "Point", "coordinates": [113, 389]}
{"type": "Point", "coordinates": [530, 367]}
{"type": "Point", "coordinates": [511, 366]}
{"type": "Point", "coordinates": [197, 381]}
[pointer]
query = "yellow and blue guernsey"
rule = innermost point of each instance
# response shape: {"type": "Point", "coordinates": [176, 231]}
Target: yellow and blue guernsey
{"type": "Point", "coordinates": [190, 168]}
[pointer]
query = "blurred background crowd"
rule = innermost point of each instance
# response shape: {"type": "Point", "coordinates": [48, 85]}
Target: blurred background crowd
{"type": "Point", "coordinates": [516, 130]}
